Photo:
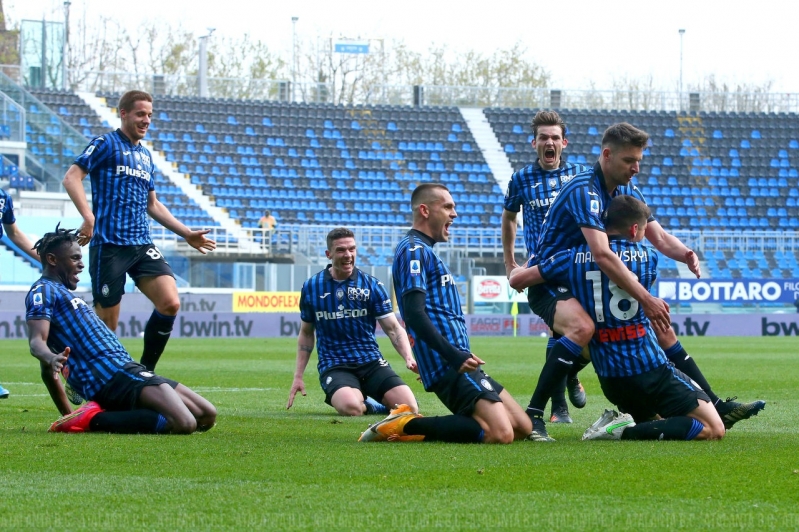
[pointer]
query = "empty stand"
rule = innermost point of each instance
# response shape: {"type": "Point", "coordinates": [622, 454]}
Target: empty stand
{"type": "Point", "coordinates": [701, 171]}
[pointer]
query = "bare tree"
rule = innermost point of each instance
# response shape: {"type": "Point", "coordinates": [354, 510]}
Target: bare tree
{"type": "Point", "coordinates": [740, 97]}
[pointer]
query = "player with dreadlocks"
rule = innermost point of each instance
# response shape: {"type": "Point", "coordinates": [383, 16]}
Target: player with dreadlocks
{"type": "Point", "coordinates": [67, 336]}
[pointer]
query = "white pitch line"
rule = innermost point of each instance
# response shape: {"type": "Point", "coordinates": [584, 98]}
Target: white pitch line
{"type": "Point", "coordinates": [199, 390]}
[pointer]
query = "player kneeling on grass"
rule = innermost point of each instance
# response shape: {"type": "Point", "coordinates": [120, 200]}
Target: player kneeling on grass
{"type": "Point", "coordinates": [340, 307]}
{"type": "Point", "coordinates": [68, 337]}
{"type": "Point", "coordinates": [633, 370]}
{"type": "Point", "coordinates": [483, 411]}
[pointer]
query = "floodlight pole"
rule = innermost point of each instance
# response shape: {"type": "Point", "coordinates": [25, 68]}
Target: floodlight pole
{"type": "Point", "coordinates": [682, 33]}
{"type": "Point", "coordinates": [293, 56]}
{"type": "Point", "coordinates": [65, 51]}
{"type": "Point", "coordinates": [202, 75]}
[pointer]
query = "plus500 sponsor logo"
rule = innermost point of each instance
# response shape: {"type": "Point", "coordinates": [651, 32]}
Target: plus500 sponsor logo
{"type": "Point", "coordinates": [341, 314]}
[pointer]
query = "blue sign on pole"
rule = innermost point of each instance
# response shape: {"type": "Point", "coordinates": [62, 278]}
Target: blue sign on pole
{"type": "Point", "coordinates": [351, 47]}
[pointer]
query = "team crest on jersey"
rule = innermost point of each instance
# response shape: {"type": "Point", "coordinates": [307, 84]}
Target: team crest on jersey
{"type": "Point", "coordinates": [105, 290]}
{"type": "Point", "coordinates": [2, 204]}
{"type": "Point", "coordinates": [486, 385]}
{"type": "Point", "coordinates": [553, 182]}
{"type": "Point", "coordinates": [355, 293]}
{"type": "Point", "coordinates": [416, 267]}
{"type": "Point", "coordinates": [594, 207]}
{"type": "Point", "coordinates": [340, 293]}
{"type": "Point", "coordinates": [37, 299]}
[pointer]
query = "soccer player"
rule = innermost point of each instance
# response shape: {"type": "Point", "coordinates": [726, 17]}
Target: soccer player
{"type": "Point", "coordinates": [633, 370]}
{"type": "Point", "coordinates": [576, 217]}
{"type": "Point", "coordinates": [483, 411]}
{"type": "Point", "coordinates": [531, 190]}
{"type": "Point", "coordinates": [20, 239]}
{"type": "Point", "coordinates": [123, 194]}
{"type": "Point", "coordinates": [68, 337]}
{"type": "Point", "coordinates": [340, 306]}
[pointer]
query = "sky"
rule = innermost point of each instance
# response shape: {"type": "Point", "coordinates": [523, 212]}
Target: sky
{"type": "Point", "coordinates": [579, 42]}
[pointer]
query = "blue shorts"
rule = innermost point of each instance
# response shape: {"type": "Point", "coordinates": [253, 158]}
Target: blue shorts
{"type": "Point", "coordinates": [664, 391]}
{"type": "Point", "coordinates": [122, 392]}
{"type": "Point", "coordinates": [460, 391]}
{"type": "Point", "coordinates": [373, 379]}
{"type": "Point", "coordinates": [109, 263]}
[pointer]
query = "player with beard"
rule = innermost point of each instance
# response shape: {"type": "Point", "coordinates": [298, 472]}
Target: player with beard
{"type": "Point", "coordinates": [576, 217]}
{"type": "Point", "coordinates": [429, 302]}
{"type": "Point", "coordinates": [530, 191]}
{"type": "Point", "coordinates": [633, 370]}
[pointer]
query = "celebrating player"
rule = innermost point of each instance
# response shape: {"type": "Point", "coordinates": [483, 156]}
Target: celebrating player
{"type": "Point", "coordinates": [123, 194]}
{"type": "Point", "coordinates": [576, 217]}
{"type": "Point", "coordinates": [68, 337]}
{"type": "Point", "coordinates": [431, 307]}
{"type": "Point", "coordinates": [340, 305]}
{"type": "Point", "coordinates": [20, 239]}
{"type": "Point", "coordinates": [633, 370]}
{"type": "Point", "coordinates": [531, 190]}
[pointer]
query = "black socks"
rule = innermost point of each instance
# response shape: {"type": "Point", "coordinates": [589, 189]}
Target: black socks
{"type": "Point", "coordinates": [156, 335]}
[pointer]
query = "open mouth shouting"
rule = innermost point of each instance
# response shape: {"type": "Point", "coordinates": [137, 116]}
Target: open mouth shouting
{"type": "Point", "coordinates": [550, 156]}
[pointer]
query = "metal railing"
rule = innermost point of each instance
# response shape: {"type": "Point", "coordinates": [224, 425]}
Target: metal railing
{"type": "Point", "coordinates": [442, 95]}
{"type": "Point", "coordinates": [310, 240]}
{"type": "Point", "coordinates": [12, 115]}
{"type": "Point", "coordinates": [62, 142]}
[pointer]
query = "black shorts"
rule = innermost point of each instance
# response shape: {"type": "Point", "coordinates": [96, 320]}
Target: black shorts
{"type": "Point", "coordinates": [544, 297]}
{"type": "Point", "coordinates": [460, 391]}
{"type": "Point", "coordinates": [665, 390]}
{"type": "Point", "coordinates": [123, 390]}
{"type": "Point", "coordinates": [108, 265]}
{"type": "Point", "coordinates": [373, 379]}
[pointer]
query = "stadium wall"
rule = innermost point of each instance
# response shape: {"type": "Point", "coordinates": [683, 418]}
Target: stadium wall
{"type": "Point", "coordinates": [212, 316]}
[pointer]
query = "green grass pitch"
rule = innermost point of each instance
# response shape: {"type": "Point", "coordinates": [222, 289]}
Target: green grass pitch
{"type": "Point", "coordinates": [265, 467]}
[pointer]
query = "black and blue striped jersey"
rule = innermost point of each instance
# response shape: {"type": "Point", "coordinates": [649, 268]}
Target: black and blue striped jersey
{"type": "Point", "coordinates": [6, 210]}
{"type": "Point", "coordinates": [122, 177]}
{"type": "Point", "coordinates": [624, 343]}
{"type": "Point", "coordinates": [417, 267]}
{"type": "Point", "coordinates": [582, 202]}
{"type": "Point", "coordinates": [531, 190]}
{"type": "Point", "coordinates": [95, 352]}
{"type": "Point", "coordinates": [344, 314]}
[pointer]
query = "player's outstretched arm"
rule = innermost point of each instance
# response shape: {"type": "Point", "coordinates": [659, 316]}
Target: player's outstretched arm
{"type": "Point", "coordinates": [50, 363]}
{"type": "Point", "coordinates": [509, 240]}
{"type": "Point", "coordinates": [21, 240]}
{"type": "Point", "coordinates": [399, 339]}
{"type": "Point", "coordinates": [73, 184]}
{"type": "Point", "coordinates": [305, 343]}
{"type": "Point", "coordinates": [161, 214]}
{"type": "Point", "coordinates": [672, 247]}
{"type": "Point", "coordinates": [611, 265]}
